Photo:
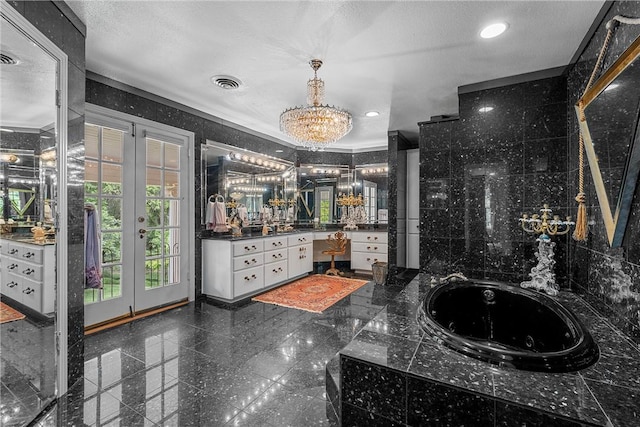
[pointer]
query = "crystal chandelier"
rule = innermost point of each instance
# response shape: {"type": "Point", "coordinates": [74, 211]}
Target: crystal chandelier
{"type": "Point", "coordinates": [315, 126]}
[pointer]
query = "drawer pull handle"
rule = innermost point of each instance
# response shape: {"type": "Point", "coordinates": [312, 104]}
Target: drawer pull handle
{"type": "Point", "coordinates": [12, 266]}
{"type": "Point", "coordinates": [28, 255]}
{"type": "Point", "coordinates": [13, 251]}
{"type": "Point", "coordinates": [12, 284]}
{"type": "Point", "coordinates": [28, 271]}
{"type": "Point", "coordinates": [28, 291]}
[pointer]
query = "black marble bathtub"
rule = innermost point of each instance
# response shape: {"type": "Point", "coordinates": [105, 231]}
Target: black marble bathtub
{"type": "Point", "coordinates": [394, 374]}
{"type": "Point", "coordinates": [508, 326]}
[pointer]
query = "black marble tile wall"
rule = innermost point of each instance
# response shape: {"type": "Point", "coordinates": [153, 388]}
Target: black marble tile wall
{"type": "Point", "coordinates": [480, 173]}
{"type": "Point", "coordinates": [609, 279]}
{"type": "Point", "coordinates": [396, 157]}
{"type": "Point", "coordinates": [59, 27]}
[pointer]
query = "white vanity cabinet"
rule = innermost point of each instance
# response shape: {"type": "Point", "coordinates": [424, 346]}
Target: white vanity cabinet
{"type": "Point", "coordinates": [300, 254]}
{"type": "Point", "coordinates": [368, 247]}
{"type": "Point", "coordinates": [28, 274]}
{"type": "Point", "coordinates": [237, 269]}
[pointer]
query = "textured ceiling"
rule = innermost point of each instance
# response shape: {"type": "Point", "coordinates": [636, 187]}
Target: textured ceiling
{"type": "Point", "coordinates": [405, 59]}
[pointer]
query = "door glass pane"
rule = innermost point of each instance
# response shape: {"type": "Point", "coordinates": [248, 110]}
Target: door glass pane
{"type": "Point", "coordinates": [153, 273]}
{"type": "Point", "coordinates": [111, 281]}
{"type": "Point", "coordinates": [154, 213]}
{"type": "Point", "coordinates": [154, 243]}
{"type": "Point", "coordinates": [111, 214]}
{"type": "Point", "coordinates": [172, 239]}
{"type": "Point", "coordinates": [154, 181]}
{"type": "Point", "coordinates": [171, 184]}
{"type": "Point", "coordinates": [172, 270]}
{"type": "Point", "coordinates": [154, 153]}
{"type": "Point", "coordinates": [112, 145]}
{"type": "Point", "coordinates": [90, 177]}
{"type": "Point", "coordinates": [111, 179]}
{"type": "Point", "coordinates": [171, 213]}
{"type": "Point", "coordinates": [91, 141]}
{"type": "Point", "coordinates": [111, 250]}
{"type": "Point", "coordinates": [171, 156]}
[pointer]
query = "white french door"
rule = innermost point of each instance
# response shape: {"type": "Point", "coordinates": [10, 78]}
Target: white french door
{"type": "Point", "coordinates": [136, 182]}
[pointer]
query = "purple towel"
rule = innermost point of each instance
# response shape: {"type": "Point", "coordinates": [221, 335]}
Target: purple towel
{"type": "Point", "coordinates": [92, 266]}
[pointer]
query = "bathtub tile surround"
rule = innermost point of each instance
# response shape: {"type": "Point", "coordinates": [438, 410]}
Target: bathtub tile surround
{"type": "Point", "coordinates": [481, 172]}
{"type": "Point", "coordinates": [609, 279]}
{"type": "Point", "coordinates": [440, 386]}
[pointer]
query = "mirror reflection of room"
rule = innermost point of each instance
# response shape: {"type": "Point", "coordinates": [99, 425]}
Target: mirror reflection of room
{"type": "Point", "coordinates": [27, 229]}
{"type": "Point", "coordinates": [246, 189]}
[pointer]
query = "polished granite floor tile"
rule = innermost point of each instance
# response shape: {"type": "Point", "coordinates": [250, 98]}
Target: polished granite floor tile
{"type": "Point", "coordinates": [27, 369]}
{"type": "Point", "coordinates": [206, 365]}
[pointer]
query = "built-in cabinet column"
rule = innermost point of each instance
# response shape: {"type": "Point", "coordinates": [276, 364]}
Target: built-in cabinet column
{"type": "Point", "coordinates": [413, 208]}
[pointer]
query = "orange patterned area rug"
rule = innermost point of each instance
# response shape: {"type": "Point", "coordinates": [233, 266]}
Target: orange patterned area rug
{"type": "Point", "coordinates": [312, 293]}
{"type": "Point", "coordinates": [8, 314]}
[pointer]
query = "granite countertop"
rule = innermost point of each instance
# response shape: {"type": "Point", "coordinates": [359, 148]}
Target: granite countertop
{"type": "Point", "coordinates": [604, 394]}
{"type": "Point", "coordinates": [256, 232]}
{"type": "Point", "coordinates": [24, 238]}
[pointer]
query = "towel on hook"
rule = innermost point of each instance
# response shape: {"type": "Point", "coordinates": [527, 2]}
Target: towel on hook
{"type": "Point", "coordinates": [92, 259]}
{"type": "Point", "coordinates": [219, 217]}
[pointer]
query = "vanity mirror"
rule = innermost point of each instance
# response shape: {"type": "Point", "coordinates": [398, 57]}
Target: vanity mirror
{"type": "Point", "coordinates": [261, 184]}
{"type": "Point", "coordinates": [372, 182]}
{"type": "Point", "coordinates": [33, 129]}
{"type": "Point", "coordinates": [319, 187]}
{"type": "Point", "coordinates": [611, 132]}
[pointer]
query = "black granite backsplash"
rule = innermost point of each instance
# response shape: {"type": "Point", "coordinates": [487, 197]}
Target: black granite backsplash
{"type": "Point", "coordinates": [608, 278]}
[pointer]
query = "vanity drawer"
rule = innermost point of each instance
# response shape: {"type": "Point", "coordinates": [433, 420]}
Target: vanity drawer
{"type": "Point", "coordinates": [247, 261]}
{"type": "Point", "coordinates": [363, 261]}
{"type": "Point", "coordinates": [25, 269]}
{"type": "Point", "coordinates": [275, 256]}
{"type": "Point", "coordinates": [376, 247]}
{"type": "Point", "coordinates": [275, 272]}
{"type": "Point", "coordinates": [247, 247]}
{"type": "Point", "coordinates": [275, 243]}
{"type": "Point", "coordinates": [12, 286]}
{"type": "Point", "coordinates": [29, 253]}
{"type": "Point", "coordinates": [370, 237]}
{"type": "Point", "coordinates": [300, 239]}
{"type": "Point", "coordinates": [248, 280]}
{"type": "Point", "coordinates": [32, 294]}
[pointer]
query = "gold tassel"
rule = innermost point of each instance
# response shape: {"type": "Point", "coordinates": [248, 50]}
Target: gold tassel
{"type": "Point", "coordinates": [582, 230]}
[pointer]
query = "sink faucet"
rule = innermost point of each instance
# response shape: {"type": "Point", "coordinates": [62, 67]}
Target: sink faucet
{"type": "Point", "coordinates": [454, 277]}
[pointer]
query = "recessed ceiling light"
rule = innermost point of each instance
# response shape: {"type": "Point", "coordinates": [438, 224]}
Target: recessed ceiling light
{"type": "Point", "coordinates": [611, 87]}
{"type": "Point", "coordinates": [372, 114]}
{"type": "Point", "coordinates": [493, 30]}
{"type": "Point", "coordinates": [485, 109]}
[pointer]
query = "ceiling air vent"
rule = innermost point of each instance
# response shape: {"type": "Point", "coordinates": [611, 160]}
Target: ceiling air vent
{"type": "Point", "coordinates": [226, 82]}
{"type": "Point", "coordinates": [7, 60]}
